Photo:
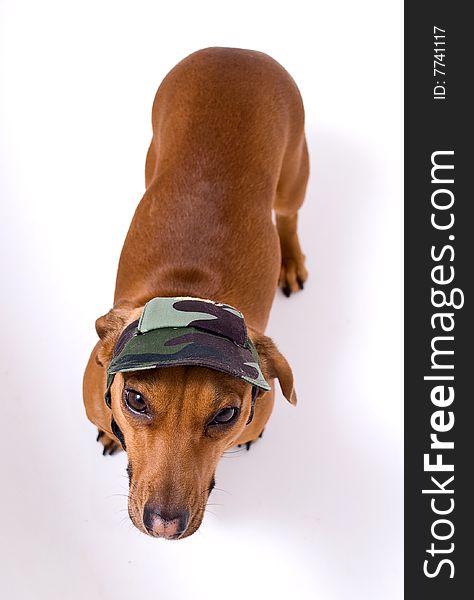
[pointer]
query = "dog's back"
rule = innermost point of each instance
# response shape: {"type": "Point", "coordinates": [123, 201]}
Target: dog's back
{"type": "Point", "coordinates": [227, 124]}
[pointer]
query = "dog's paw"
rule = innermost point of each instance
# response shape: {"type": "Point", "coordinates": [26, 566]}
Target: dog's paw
{"type": "Point", "coordinates": [293, 274]}
{"type": "Point", "coordinates": [110, 446]}
{"type": "Point", "coordinates": [248, 444]}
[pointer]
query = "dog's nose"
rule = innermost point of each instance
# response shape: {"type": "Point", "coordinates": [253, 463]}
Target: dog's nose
{"type": "Point", "coordinates": [160, 522]}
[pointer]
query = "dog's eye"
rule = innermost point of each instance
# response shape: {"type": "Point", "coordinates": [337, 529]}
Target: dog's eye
{"type": "Point", "coordinates": [134, 401]}
{"type": "Point", "coordinates": [225, 416]}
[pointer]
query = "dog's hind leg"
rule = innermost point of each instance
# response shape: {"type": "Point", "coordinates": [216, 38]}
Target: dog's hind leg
{"type": "Point", "coordinates": [289, 198]}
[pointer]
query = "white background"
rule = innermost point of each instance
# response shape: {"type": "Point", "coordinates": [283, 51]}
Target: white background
{"type": "Point", "coordinates": [314, 510]}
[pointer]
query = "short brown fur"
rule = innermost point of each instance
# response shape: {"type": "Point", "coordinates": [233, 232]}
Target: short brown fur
{"type": "Point", "coordinates": [228, 147]}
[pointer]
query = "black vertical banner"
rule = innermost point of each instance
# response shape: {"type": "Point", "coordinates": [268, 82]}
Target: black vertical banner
{"type": "Point", "coordinates": [439, 268]}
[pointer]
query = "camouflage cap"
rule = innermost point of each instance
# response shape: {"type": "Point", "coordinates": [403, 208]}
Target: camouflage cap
{"type": "Point", "coordinates": [187, 331]}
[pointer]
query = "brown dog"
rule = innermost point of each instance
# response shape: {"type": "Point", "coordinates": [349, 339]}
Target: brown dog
{"type": "Point", "coordinates": [228, 147]}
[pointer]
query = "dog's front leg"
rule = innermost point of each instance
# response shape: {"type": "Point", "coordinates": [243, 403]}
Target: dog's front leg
{"type": "Point", "coordinates": [97, 411]}
{"type": "Point", "coordinates": [110, 445]}
{"type": "Point", "coordinates": [254, 430]}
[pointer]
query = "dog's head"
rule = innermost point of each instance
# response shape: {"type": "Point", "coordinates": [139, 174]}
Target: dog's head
{"type": "Point", "coordinates": [175, 423]}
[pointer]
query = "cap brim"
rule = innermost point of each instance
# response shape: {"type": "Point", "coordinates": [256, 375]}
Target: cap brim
{"type": "Point", "coordinates": [189, 346]}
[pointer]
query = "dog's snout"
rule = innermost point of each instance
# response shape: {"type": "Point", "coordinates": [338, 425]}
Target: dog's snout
{"type": "Point", "coordinates": [164, 523]}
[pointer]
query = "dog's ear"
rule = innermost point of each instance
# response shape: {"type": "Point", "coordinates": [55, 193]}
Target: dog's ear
{"type": "Point", "coordinates": [108, 328]}
{"type": "Point", "coordinates": [274, 364]}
